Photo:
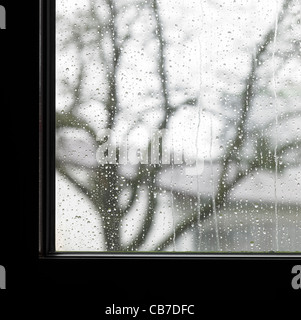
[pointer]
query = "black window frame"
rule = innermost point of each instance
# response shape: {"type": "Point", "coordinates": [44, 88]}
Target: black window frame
{"type": "Point", "coordinates": [57, 265]}
{"type": "Point", "coordinates": [47, 127]}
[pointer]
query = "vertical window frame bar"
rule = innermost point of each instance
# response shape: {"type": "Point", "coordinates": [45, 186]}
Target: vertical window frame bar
{"type": "Point", "coordinates": [47, 127]}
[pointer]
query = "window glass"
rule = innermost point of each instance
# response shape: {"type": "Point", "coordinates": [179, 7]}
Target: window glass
{"type": "Point", "coordinates": [178, 125]}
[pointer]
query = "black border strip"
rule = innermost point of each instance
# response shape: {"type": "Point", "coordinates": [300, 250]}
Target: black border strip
{"type": "Point", "coordinates": [47, 126]}
{"type": "Point", "coordinates": [171, 255]}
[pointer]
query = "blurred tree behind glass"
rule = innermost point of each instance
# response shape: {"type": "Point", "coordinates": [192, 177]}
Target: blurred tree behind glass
{"type": "Point", "coordinates": [134, 65]}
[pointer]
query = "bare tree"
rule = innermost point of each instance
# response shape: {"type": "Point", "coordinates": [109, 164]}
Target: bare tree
{"type": "Point", "coordinates": [115, 195]}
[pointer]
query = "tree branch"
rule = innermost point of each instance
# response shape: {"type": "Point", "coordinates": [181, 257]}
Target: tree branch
{"type": "Point", "coordinates": [68, 120]}
{"type": "Point", "coordinates": [246, 103]}
{"type": "Point", "coordinates": [62, 170]}
{"type": "Point", "coordinates": [183, 226]}
{"type": "Point", "coordinates": [224, 186]}
{"type": "Point", "coordinates": [148, 220]}
{"type": "Point", "coordinates": [162, 66]}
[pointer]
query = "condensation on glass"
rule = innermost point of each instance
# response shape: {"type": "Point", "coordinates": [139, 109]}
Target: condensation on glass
{"type": "Point", "coordinates": [178, 126]}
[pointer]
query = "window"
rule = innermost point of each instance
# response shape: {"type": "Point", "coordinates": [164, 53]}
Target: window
{"type": "Point", "coordinates": [178, 126]}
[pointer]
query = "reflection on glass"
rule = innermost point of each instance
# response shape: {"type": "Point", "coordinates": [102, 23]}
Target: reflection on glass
{"type": "Point", "coordinates": [178, 126]}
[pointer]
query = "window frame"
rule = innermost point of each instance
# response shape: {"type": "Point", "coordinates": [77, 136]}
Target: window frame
{"type": "Point", "coordinates": [146, 278]}
{"type": "Point", "coordinates": [47, 128]}
{"type": "Point", "coordinates": [47, 165]}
